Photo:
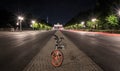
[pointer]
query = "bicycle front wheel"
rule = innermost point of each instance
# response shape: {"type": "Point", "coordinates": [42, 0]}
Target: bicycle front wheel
{"type": "Point", "coordinates": [57, 58]}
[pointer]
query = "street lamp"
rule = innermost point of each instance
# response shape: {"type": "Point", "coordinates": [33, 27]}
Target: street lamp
{"type": "Point", "coordinates": [17, 23]}
{"type": "Point", "coordinates": [20, 18]}
{"type": "Point", "coordinates": [119, 12]}
{"type": "Point", "coordinates": [83, 23]}
{"type": "Point", "coordinates": [94, 19]}
{"type": "Point", "coordinates": [33, 21]}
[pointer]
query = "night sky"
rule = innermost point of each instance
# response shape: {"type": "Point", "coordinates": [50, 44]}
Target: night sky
{"type": "Point", "coordinates": [56, 10]}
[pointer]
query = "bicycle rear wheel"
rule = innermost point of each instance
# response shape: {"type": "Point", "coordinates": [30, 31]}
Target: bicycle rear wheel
{"type": "Point", "coordinates": [57, 58]}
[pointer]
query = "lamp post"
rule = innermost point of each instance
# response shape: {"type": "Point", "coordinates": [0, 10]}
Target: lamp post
{"type": "Point", "coordinates": [17, 23]}
{"type": "Point", "coordinates": [119, 12]}
{"type": "Point", "coordinates": [83, 23]}
{"type": "Point", "coordinates": [20, 18]}
{"type": "Point", "coordinates": [94, 19]}
{"type": "Point", "coordinates": [33, 21]}
{"type": "Point", "coordinates": [17, 26]}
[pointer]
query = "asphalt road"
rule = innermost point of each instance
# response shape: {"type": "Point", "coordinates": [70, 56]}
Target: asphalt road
{"type": "Point", "coordinates": [103, 50]}
{"type": "Point", "coordinates": [74, 59]}
{"type": "Point", "coordinates": [18, 48]}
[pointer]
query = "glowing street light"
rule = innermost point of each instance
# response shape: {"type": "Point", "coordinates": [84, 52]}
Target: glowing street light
{"type": "Point", "coordinates": [119, 12]}
{"type": "Point", "coordinates": [33, 21]}
{"type": "Point", "coordinates": [20, 18]}
{"type": "Point", "coordinates": [94, 19]}
{"type": "Point", "coordinates": [31, 25]}
{"type": "Point", "coordinates": [82, 22]}
{"type": "Point", "coordinates": [17, 23]}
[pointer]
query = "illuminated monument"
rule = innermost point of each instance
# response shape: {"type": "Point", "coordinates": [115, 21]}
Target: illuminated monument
{"type": "Point", "coordinates": [58, 26]}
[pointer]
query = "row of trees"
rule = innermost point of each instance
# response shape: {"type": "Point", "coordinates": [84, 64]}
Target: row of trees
{"type": "Point", "coordinates": [9, 19]}
{"type": "Point", "coordinates": [104, 16]}
{"type": "Point", "coordinates": [75, 26]}
{"type": "Point", "coordinates": [40, 26]}
{"type": "Point", "coordinates": [111, 22]}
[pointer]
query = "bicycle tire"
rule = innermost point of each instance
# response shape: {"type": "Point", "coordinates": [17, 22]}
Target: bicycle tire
{"type": "Point", "coordinates": [57, 58]}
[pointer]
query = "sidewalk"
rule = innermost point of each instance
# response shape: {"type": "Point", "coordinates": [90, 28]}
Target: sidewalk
{"type": "Point", "coordinates": [74, 59]}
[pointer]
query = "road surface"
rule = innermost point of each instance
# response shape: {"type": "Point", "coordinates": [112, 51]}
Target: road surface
{"type": "Point", "coordinates": [74, 59]}
{"type": "Point", "coordinates": [31, 51]}
{"type": "Point", "coordinates": [103, 49]}
{"type": "Point", "coordinates": [18, 48]}
{"type": "Point", "coordinates": [84, 51]}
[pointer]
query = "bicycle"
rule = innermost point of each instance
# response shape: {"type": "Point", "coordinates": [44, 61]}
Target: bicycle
{"type": "Point", "coordinates": [57, 55]}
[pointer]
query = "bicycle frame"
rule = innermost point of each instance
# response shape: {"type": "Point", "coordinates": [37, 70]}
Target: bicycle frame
{"type": "Point", "coordinates": [58, 42]}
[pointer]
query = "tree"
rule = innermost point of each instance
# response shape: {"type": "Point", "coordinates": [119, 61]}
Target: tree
{"type": "Point", "coordinates": [35, 26]}
{"type": "Point", "coordinates": [90, 24]}
{"type": "Point", "coordinates": [112, 21]}
{"type": "Point", "coordinates": [80, 26]}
